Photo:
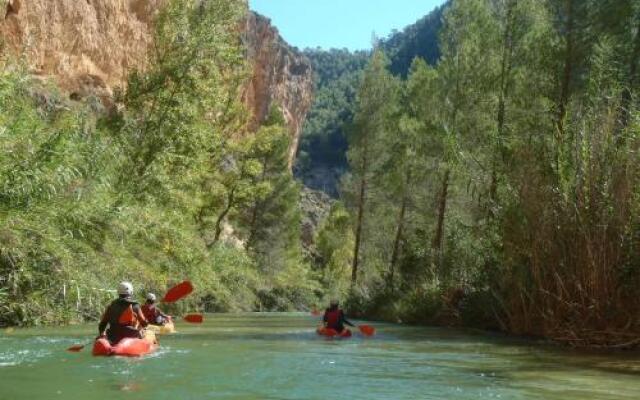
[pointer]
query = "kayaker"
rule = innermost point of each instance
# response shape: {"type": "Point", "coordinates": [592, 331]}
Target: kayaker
{"type": "Point", "coordinates": [152, 313]}
{"type": "Point", "coordinates": [123, 317]}
{"type": "Point", "coordinates": [334, 317]}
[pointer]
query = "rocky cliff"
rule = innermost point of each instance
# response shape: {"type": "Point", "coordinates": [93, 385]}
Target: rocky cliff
{"type": "Point", "coordinates": [86, 46]}
{"type": "Point", "coordinates": [89, 47]}
{"type": "Point", "coordinates": [281, 76]}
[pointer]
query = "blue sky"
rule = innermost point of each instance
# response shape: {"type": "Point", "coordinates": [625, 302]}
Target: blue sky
{"type": "Point", "coordinates": [340, 23]}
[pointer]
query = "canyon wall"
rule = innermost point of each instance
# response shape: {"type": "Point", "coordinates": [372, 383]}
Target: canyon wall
{"type": "Point", "coordinates": [85, 46]}
{"type": "Point", "coordinates": [89, 47]}
{"type": "Point", "coordinates": [281, 76]}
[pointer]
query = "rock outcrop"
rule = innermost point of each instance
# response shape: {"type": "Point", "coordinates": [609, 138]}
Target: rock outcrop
{"type": "Point", "coordinates": [89, 47]}
{"type": "Point", "coordinates": [281, 76]}
{"type": "Point", "coordinates": [86, 46]}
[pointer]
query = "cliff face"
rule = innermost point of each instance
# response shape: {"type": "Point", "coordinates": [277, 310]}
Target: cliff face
{"type": "Point", "coordinates": [86, 46]}
{"type": "Point", "coordinates": [281, 76]}
{"type": "Point", "coordinates": [89, 47]}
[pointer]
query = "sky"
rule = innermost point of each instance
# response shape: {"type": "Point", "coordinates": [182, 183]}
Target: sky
{"type": "Point", "coordinates": [340, 23]}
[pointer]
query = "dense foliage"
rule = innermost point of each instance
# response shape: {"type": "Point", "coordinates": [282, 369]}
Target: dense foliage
{"type": "Point", "coordinates": [167, 186]}
{"type": "Point", "coordinates": [322, 158]}
{"type": "Point", "coordinates": [417, 40]}
{"type": "Point", "coordinates": [323, 147]}
{"type": "Point", "coordinates": [499, 188]}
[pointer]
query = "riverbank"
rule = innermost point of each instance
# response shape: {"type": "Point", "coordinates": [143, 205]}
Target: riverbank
{"type": "Point", "coordinates": [477, 312]}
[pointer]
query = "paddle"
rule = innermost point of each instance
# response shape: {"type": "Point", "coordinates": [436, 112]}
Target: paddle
{"type": "Point", "coordinates": [174, 294]}
{"type": "Point", "coordinates": [194, 318]}
{"type": "Point", "coordinates": [367, 330]}
{"type": "Point", "coordinates": [177, 292]}
{"type": "Point", "coordinates": [76, 348]}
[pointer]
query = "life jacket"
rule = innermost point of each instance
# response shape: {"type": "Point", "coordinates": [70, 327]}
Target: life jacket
{"type": "Point", "coordinates": [333, 317]}
{"type": "Point", "coordinates": [150, 312]}
{"type": "Point", "coordinates": [121, 313]}
{"type": "Point", "coordinates": [123, 320]}
{"type": "Point", "coordinates": [128, 317]}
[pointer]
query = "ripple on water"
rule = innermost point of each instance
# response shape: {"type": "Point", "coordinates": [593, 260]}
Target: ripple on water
{"type": "Point", "coordinates": [7, 364]}
{"type": "Point", "coordinates": [280, 357]}
{"type": "Point", "coordinates": [16, 357]}
{"type": "Point", "coordinates": [51, 340]}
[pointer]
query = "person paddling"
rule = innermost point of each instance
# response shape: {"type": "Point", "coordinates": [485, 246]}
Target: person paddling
{"type": "Point", "coordinates": [334, 317]}
{"type": "Point", "coordinates": [152, 313]}
{"type": "Point", "coordinates": [123, 317]}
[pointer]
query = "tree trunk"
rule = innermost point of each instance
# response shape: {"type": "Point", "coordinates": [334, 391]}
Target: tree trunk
{"type": "Point", "coordinates": [360, 221]}
{"type": "Point", "coordinates": [396, 243]}
{"type": "Point", "coordinates": [442, 209]}
{"type": "Point", "coordinates": [505, 72]}
{"type": "Point", "coordinates": [253, 227]}
{"type": "Point", "coordinates": [222, 216]}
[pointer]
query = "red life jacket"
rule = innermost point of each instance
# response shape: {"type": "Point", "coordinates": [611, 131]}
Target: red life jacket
{"type": "Point", "coordinates": [333, 317]}
{"type": "Point", "coordinates": [128, 317]}
{"type": "Point", "coordinates": [150, 312]}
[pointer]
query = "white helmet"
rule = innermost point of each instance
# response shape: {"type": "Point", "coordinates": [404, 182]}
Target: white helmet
{"type": "Point", "coordinates": [125, 288]}
{"type": "Point", "coordinates": [151, 297]}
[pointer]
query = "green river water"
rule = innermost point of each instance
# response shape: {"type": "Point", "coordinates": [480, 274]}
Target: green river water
{"type": "Point", "coordinates": [279, 356]}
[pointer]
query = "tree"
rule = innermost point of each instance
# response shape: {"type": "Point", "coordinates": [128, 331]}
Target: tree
{"type": "Point", "coordinates": [411, 148]}
{"type": "Point", "coordinates": [335, 245]}
{"type": "Point", "coordinates": [467, 72]}
{"type": "Point", "coordinates": [186, 103]}
{"type": "Point", "coordinates": [370, 122]}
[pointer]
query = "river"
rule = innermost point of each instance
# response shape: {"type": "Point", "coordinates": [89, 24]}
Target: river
{"type": "Point", "coordinates": [279, 356]}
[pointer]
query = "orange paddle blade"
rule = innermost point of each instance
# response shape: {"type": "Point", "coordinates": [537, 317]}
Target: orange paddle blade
{"type": "Point", "coordinates": [367, 330]}
{"type": "Point", "coordinates": [194, 318]}
{"type": "Point", "coordinates": [177, 292]}
{"type": "Point", "coordinates": [76, 348]}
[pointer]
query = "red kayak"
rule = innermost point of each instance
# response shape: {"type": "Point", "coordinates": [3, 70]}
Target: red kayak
{"type": "Point", "coordinates": [328, 332]}
{"type": "Point", "coordinates": [126, 347]}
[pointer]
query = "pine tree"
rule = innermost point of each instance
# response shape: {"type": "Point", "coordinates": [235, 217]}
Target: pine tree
{"type": "Point", "coordinates": [370, 121]}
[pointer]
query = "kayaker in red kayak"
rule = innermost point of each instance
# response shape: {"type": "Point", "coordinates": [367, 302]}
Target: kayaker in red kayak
{"type": "Point", "coordinates": [123, 317]}
{"type": "Point", "coordinates": [152, 313]}
{"type": "Point", "coordinates": [334, 317]}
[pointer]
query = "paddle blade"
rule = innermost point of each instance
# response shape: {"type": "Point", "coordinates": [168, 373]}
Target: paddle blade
{"type": "Point", "coordinates": [316, 313]}
{"type": "Point", "coordinates": [367, 330]}
{"type": "Point", "coordinates": [76, 348]}
{"type": "Point", "coordinates": [177, 292]}
{"type": "Point", "coordinates": [194, 318]}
